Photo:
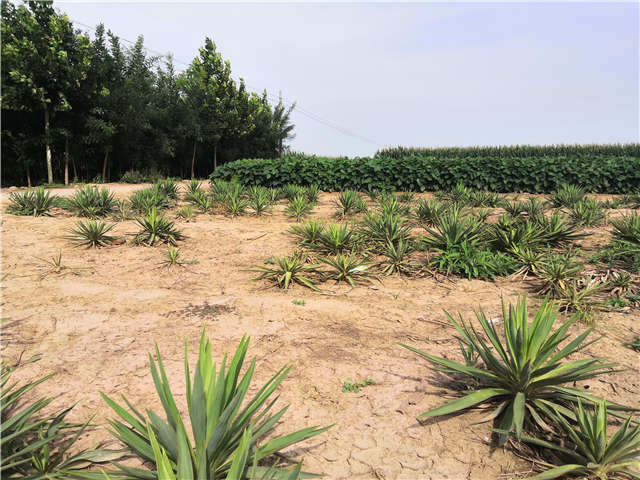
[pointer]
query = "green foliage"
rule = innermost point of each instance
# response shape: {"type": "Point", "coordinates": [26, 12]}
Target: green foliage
{"type": "Point", "coordinates": [122, 210]}
{"type": "Point", "coordinates": [466, 259]}
{"type": "Point", "coordinates": [514, 151]}
{"type": "Point", "coordinates": [428, 211]}
{"type": "Point", "coordinates": [620, 254]}
{"type": "Point", "coordinates": [235, 204]}
{"type": "Point", "coordinates": [588, 212]}
{"type": "Point", "coordinates": [145, 200]}
{"type": "Point", "coordinates": [634, 344]}
{"type": "Point", "coordinates": [535, 208]}
{"type": "Point", "coordinates": [289, 270]}
{"type": "Point", "coordinates": [290, 191]}
{"type": "Point", "coordinates": [259, 200]}
{"type": "Point", "coordinates": [156, 228]}
{"type": "Point", "coordinates": [348, 203]}
{"type": "Point", "coordinates": [193, 188]}
{"type": "Point", "coordinates": [514, 208]}
{"type": "Point", "coordinates": [395, 259]}
{"type": "Point", "coordinates": [514, 234]}
{"type": "Point", "coordinates": [299, 207]}
{"type": "Point", "coordinates": [557, 272]}
{"type": "Point", "coordinates": [523, 378]}
{"type": "Point", "coordinates": [348, 268]}
{"type": "Point", "coordinates": [350, 386]}
{"type": "Point", "coordinates": [380, 230]}
{"type": "Point", "coordinates": [136, 176]}
{"type": "Point", "coordinates": [201, 200]}
{"type": "Point", "coordinates": [168, 187]}
{"type": "Point", "coordinates": [452, 230]}
{"type": "Point", "coordinates": [186, 212]}
{"type": "Point", "coordinates": [35, 444]}
{"type": "Point", "coordinates": [335, 239]}
{"type": "Point", "coordinates": [584, 449]}
{"type": "Point", "coordinates": [598, 173]}
{"type": "Point", "coordinates": [481, 198]}
{"type": "Point", "coordinates": [308, 232]}
{"type": "Point", "coordinates": [31, 202]}
{"type": "Point", "coordinates": [299, 303]}
{"type": "Point", "coordinates": [312, 193]}
{"type": "Point", "coordinates": [627, 228]}
{"type": "Point", "coordinates": [581, 298]}
{"type": "Point", "coordinates": [389, 205]}
{"type": "Point", "coordinates": [91, 202]}
{"type": "Point", "coordinates": [567, 195]}
{"type": "Point", "coordinates": [223, 420]}
{"type": "Point", "coordinates": [92, 233]}
{"type": "Point", "coordinates": [557, 230]}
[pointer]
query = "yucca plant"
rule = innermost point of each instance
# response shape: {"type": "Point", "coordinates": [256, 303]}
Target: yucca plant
{"type": "Point", "coordinates": [627, 228]}
{"type": "Point", "coordinates": [406, 197]}
{"type": "Point", "coordinates": [580, 298]}
{"type": "Point", "coordinates": [220, 414]}
{"type": "Point", "coordinates": [122, 211]}
{"type": "Point", "coordinates": [168, 187]}
{"type": "Point", "coordinates": [312, 193]}
{"type": "Point", "coordinates": [201, 200]}
{"type": "Point", "coordinates": [31, 202]}
{"type": "Point", "coordinates": [308, 232]}
{"type": "Point", "coordinates": [35, 444]}
{"type": "Point", "coordinates": [347, 203]}
{"type": "Point", "coordinates": [259, 200]}
{"type": "Point", "coordinates": [91, 233]}
{"type": "Point", "coordinates": [335, 239]}
{"type": "Point", "coordinates": [469, 260]}
{"type": "Point", "coordinates": [291, 191]}
{"type": "Point", "coordinates": [383, 229]}
{"type": "Point", "coordinates": [557, 272]}
{"type": "Point", "coordinates": [482, 214]}
{"type": "Point", "coordinates": [186, 212]}
{"type": "Point", "coordinates": [452, 229]}
{"type": "Point", "coordinates": [567, 195]}
{"type": "Point", "coordinates": [428, 211]}
{"type": "Point", "coordinates": [143, 201]}
{"type": "Point", "coordinates": [631, 200]}
{"type": "Point", "coordinates": [298, 207]}
{"type": "Point", "coordinates": [289, 270]}
{"type": "Point", "coordinates": [484, 199]}
{"type": "Point", "coordinates": [529, 259]}
{"type": "Point", "coordinates": [524, 378]}
{"type": "Point", "coordinates": [156, 228]}
{"type": "Point", "coordinates": [620, 283]}
{"type": "Point", "coordinates": [459, 194]}
{"type": "Point", "coordinates": [235, 204]}
{"type": "Point", "coordinates": [510, 233]}
{"type": "Point", "coordinates": [193, 188]}
{"type": "Point", "coordinates": [535, 208]}
{"type": "Point", "coordinates": [348, 268]}
{"type": "Point", "coordinates": [388, 205]}
{"type": "Point", "coordinates": [514, 208]}
{"type": "Point", "coordinates": [557, 230]}
{"type": "Point", "coordinates": [587, 212]}
{"type": "Point", "coordinates": [91, 202]}
{"type": "Point", "coordinates": [395, 259]}
{"type": "Point", "coordinates": [584, 449]}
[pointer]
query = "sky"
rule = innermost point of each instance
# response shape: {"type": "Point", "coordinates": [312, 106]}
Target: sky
{"type": "Point", "coordinates": [419, 74]}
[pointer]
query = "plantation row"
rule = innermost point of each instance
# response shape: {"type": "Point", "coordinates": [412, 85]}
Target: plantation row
{"type": "Point", "coordinates": [538, 174]}
{"type": "Point", "coordinates": [515, 151]}
{"type": "Point", "coordinates": [523, 377]}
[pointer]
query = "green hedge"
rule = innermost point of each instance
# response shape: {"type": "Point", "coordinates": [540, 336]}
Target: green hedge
{"type": "Point", "coordinates": [597, 173]}
{"type": "Point", "coordinates": [519, 151]}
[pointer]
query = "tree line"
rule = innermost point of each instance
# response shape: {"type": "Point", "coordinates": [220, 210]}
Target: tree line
{"type": "Point", "coordinates": [89, 109]}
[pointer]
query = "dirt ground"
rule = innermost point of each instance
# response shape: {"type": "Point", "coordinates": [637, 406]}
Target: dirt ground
{"type": "Point", "coordinates": [95, 324]}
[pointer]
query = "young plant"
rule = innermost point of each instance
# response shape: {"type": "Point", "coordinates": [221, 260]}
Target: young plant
{"type": "Point", "coordinates": [529, 259]}
{"type": "Point", "coordinates": [289, 270]}
{"type": "Point", "coordinates": [388, 205]}
{"type": "Point", "coordinates": [452, 230]}
{"type": "Point", "coordinates": [347, 203]}
{"type": "Point", "coordinates": [406, 197]}
{"type": "Point", "coordinates": [308, 232]}
{"type": "Point", "coordinates": [92, 233]}
{"type": "Point", "coordinates": [633, 345]}
{"type": "Point", "coordinates": [201, 200]}
{"type": "Point", "coordinates": [168, 187]}
{"type": "Point", "coordinates": [627, 228]}
{"type": "Point", "coordinates": [173, 258]}
{"type": "Point", "coordinates": [466, 259]}
{"type": "Point", "coordinates": [459, 194]}
{"type": "Point", "coordinates": [259, 201]}
{"type": "Point", "coordinates": [187, 213]}
{"type": "Point", "coordinates": [510, 233]}
{"type": "Point", "coordinates": [524, 378]}
{"type": "Point", "coordinates": [514, 209]}
{"type": "Point", "coordinates": [291, 191]}
{"type": "Point", "coordinates": [395, 260]}
{"type": "Point", "coordinates": [32, 202]}
{"type": "Point", "coordinates": [335, 239]}
{"type": "Point", "coordinates": [350, 386]}
{"type": "Point", "coordinates": [91, 202]}
{"type": "Point", "coordinates": [145, 200]}
{"type": "Point", "coordinates": [535, 208]}
{"type": "Point", "coordinates": [156, 228]}
{"type": "Point", "coordinates": [585, 450]}
{"type": "Point", "coordinates": [312, 193]}
{"type": "Point", "coordinates": [236, 204]}
{"type": "Point", "coordinates": [581, 299]}
{"type": "Point", "coordinates": [428, 211]}
{"type": "Point", "coordinates": [122, 211]}
{"type": "Point", "coordinates": [347, 268]}
{"type": "Point", "coordinates": [298, 207]}
{"type": "Point", "coordinates": [484, 199]}
{"type": "Point", "coordinates": [194, 187]}
{"type": "Point", "coordinates": [220, 413]}
{"type": "Point", "coordinates": [383, 229]}
{"type": "Point", "coordinates": [567, 195]}
{"type": "Point", "coordinates": [558, 272]}
{"type": "Point", "coordinates": [556, 230]}
{"type": "Point", "coordinates": [620, 283]}
{"type": "Point", "coordinates": [587, 212]}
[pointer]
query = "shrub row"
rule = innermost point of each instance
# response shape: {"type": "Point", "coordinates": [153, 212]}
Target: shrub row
{"type": "Point", "coordinates": [596, 173]}
{"type": "Point", "coordinates": [515, 151]}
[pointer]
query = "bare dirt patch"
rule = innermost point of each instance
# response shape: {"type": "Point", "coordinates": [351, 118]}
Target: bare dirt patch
{"type": "Point", "coordinates": [94, 327]}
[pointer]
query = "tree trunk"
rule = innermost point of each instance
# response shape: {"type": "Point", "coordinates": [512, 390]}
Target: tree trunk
{"type": "Point", "coordinates": [28, 176]}
{"type": "Point", "coordinates": [47, 144]}
{"type": "Point", "coordinates": [215, 157]}
{"type": "Point", "coordinates": [193, 160]}
{"type": "Point", "coordinates": [75, 172]}
{"type": "Point", "coordinates": [104, 166]}
{"type": "Point", "coordinates": [66, 160]}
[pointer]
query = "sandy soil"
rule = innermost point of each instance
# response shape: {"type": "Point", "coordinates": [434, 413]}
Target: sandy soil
{"type": "Point", "coordinates": [96, 321]}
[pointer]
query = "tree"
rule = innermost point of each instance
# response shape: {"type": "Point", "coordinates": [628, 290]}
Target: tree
{"type": "Point", "coordinates": [45, 59]}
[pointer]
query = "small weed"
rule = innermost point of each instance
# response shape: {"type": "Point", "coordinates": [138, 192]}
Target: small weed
{"type": "Point", "coordinates": [300, 303]}
{"type": "Point", "coordinates": [633, 345]}
{"type": "Point", "coordinates": [350, 386]}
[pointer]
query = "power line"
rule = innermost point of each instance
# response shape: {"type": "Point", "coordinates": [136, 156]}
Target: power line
{"type": "Point", "coordinates": [295, 106]}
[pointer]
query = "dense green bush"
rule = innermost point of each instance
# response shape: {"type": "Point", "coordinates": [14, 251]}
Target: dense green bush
{"type": "Point", "coordinates": [535, 174]}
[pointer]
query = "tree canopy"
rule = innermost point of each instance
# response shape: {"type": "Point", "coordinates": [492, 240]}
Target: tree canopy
{"type": "Point", "coordinates": [87, 108]}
